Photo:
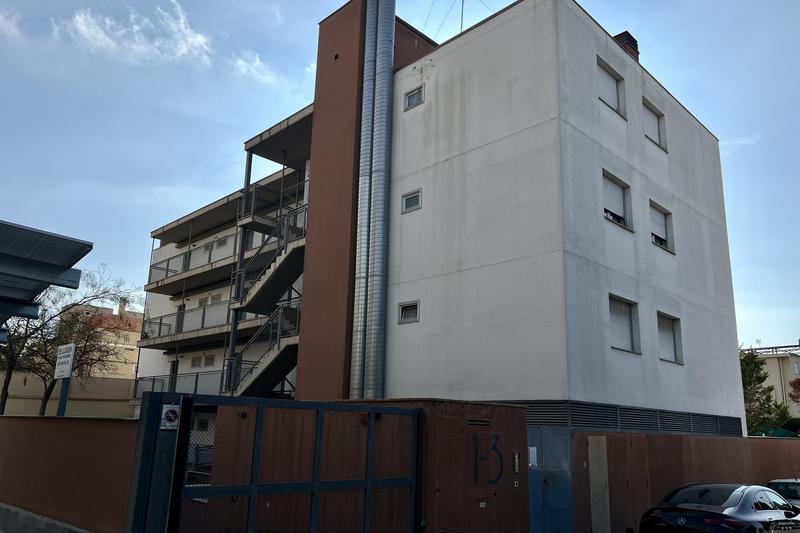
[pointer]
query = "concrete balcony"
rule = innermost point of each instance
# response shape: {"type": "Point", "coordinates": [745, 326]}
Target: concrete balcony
{"type": "Point", "coordinates": [205, 264]}
{"type": "Point", "coordinates": [195, 327]}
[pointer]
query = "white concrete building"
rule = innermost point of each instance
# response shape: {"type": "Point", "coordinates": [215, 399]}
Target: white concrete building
{"type": "Point", "coordinates": [556, 230]}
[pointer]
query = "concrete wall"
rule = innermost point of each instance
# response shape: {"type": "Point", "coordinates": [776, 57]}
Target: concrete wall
{"type": "Point", "coordinates": [106, 397]}
{"type": "Point", "coordinates": [74, 470]}
{"type": "Point", "coordinates": [483, 254]}
{"type": "Point", "coordinates": [694, 284]}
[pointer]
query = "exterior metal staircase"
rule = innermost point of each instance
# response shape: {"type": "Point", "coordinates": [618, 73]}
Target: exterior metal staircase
{"type": "Point", "coordinates": [262, 365]}
{"type": "Point", "coordinates": [263, 283]}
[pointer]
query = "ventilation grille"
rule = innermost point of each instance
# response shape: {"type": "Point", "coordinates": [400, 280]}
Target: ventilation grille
{"type": "Point", "coordinates": [602, 417]}
{"type": "Point", "coordinates": [547, 413]}
{"type": "Point", "coordinates": [594, 416]}
{"type": "Point", "coordinates": [671, 422]}
{"type": "Point", "coordinates": [634, 419]}
{"type": "Point", "coordinates": [478, 423]}
{"type": "Point", "coordinates": [731, 426]}
{"type": "Point", "coordinates": [706, 424]}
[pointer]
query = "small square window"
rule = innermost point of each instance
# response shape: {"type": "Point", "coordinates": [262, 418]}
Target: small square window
{"type": "Point", "coordinates": [669, 338]}
{"type": "Point", "coordinates": [209, 360]}
{"type": "Point", "coordinates": [197, 362]}
{"type": "Point", "coordinates": [202, 424]}
{"type": "Point", "coordinates": [616, 198]}
{"type": "Point", "coordinates": [654, 124]}
{"type": "Point", "coordinates": [414, 98]}
{"type": "Point", "coordinates": [221, 243]}
{"type": "Point", "coordinates": [624, 328]}
{"type": "Point", "coordinates": [412, 201]}
{"type": "Point", "coordinates": [202, 302]}
{"type": "Point", "coordinates": [610, 87]}
{"type": "Point", "coordinates": [408, 312]}
{"type": "Point", "coordinates": [661, 227]}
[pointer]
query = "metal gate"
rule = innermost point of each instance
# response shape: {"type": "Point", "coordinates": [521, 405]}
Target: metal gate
{"type": "Point", "coordinates": [228, 464]}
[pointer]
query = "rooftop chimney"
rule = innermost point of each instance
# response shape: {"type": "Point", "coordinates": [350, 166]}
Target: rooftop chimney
{"type": "Point", "coordinates": [628, 43]}
{"type": "Point", "coordinates": [123, 303]}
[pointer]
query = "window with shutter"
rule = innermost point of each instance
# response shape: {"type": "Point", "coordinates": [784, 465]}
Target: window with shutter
{"type": "Point", "coordinates": [659, 227]}
{"type": "Point", "coordinates": [622, 325]}
{"type": "Point", "coordinates": [652, 124]}
{"type": "Point", "coordinates": [608, 87]}
{"type": "Point", "coordinates": [668, 348]}
{"type": "Point", "coordinates": [614, 201]}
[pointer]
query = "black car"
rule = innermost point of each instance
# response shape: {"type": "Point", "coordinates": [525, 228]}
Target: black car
{"type": "Point", "coordinates": [721, 508]}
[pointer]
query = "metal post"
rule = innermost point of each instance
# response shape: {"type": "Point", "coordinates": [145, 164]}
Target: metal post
{"type": "Point", "coordinates": [317, 468]}
{"type": "Point", "coordinates": [179, 468]}
{"type": "Point", "coordinates": [255, 469]}
{"type": "Point", "coordinates": [62, 399]}
{"type": "Point", "coordinates": [368, 474]}
{"type": "Point", "coordinates": [233, 366]}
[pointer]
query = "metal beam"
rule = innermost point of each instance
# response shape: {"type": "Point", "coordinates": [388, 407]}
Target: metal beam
{"type": "Point", "coordinates": [29, 269]}
{"type": "Point", "coordinates": [9, 306]}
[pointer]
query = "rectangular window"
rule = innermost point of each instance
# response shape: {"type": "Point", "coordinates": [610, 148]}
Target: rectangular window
{"type": "Point", "coordinates": [202, 302]}
{"type": "Point", "coordinates": [209, 360]}
{"type": "Point", "coordinates": [615, 200]}
{"type": "Point", "coordinates": [654, 124]}
{"type": "Point", "coordinates": [412, 201]}
{"type": "Point", "coordinates": [669, 348]}
{"type": "Point", "coordinates": [660, 227]}
{"type": "Point", "coordinates": [197, 362]}
{"type": "Point", "coordinates": [414, 98]}
{"type": "Point", "coordinates": [408, 312]}
{"type": "Point", "coordinates": [610, 87]}
{"type": "Point", "coordinates": [623, 330]}
{"type": "Point", "coordinates": [216, 298]}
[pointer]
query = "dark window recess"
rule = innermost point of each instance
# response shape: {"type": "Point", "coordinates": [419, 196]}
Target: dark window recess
{"type": "Point", "coordinates": [409, 312]}
{"type": "Point", "coordinates": [659, 240]}
{"type": "Point", "coordinates": [612, 216]}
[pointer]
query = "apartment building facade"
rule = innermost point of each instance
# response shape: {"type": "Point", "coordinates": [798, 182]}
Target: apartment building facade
{"type": "Point", "coordinates": [522, 213]}
{"type": "Point", "coordinates": [782, 364]}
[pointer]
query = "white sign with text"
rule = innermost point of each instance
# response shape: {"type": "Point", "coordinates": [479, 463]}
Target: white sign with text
{"type": "Point", "coordinates": [66, 353]}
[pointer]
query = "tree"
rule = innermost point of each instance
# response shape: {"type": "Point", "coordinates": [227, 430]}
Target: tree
{"type": "Point", "coordinates": [761, 410]}
{"type": "Point", "coordinates": [794, 390]}
{"type": "Point", "coordinates": [32, 343]}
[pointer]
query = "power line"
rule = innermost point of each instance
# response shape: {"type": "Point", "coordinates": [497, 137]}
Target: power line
{"type": "Point", "coordinates": [428, 15]}
{"type": "Point", "coordinates": [445, 19]}
{"type": "Point", "coordinates": [487, 7]}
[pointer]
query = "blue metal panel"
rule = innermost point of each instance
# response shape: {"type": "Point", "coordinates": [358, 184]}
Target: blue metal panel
{"type": "Point", "coordinates": [21, 308]}
{"type": "Point", "coordinates": [3, 335]}
{"type": "Point", "coordinates": [557, 460]}
{"type": "Point", "coordinates": [550, 481]}
{"type": "Point", "coordinates": [28, 269]}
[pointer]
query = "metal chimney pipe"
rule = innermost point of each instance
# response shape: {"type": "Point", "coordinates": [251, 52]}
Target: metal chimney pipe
{"type": "Point", "coordinates": [375, 352]}
{"type": "Point", "coordinates": [363, 215]}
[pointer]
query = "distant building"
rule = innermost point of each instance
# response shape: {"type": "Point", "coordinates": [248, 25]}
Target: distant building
{"type": "Point", "coordinates": [783, 365]}
{"type": "Point", "coordinates": [124, 330]}
{"type": "Point", "coordinates": [522, 213]}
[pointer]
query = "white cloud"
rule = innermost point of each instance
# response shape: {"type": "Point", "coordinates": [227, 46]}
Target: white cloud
{"type": "Point", "coordinates": [248, 63]}
{"type": "Point", "coordinates": [745, 140]}
{"type": "Point", "coordinates": [311, 68]}
{"type": "Point", "coordinates": [9, 24]}
{"type": "Point", "coordinates": [139, 40]}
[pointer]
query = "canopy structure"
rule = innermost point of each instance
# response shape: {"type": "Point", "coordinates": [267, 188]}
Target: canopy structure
{"type": "Point", "coordinates": [31, 260]}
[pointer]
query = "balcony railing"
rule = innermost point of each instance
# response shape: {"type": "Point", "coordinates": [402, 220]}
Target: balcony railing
{"type": "Point", "coordinates": [202, 255]}
{"type": "Point", "coordinates": [190, 383]}
{"type": "Point", "coordinates": [190, 320]}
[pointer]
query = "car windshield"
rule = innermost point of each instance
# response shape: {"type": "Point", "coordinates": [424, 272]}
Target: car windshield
{"type": "Point", "coordinates": [717, 496]}
{"type": "Point", "coordinates": [790, 491]}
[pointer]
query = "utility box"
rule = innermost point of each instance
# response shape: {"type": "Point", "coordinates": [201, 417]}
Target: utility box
{"type": "Point", "coordinates": [472, 472]}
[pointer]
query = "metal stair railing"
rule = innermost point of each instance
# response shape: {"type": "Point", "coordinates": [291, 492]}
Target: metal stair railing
{"type": "Point", "coordinates": [289, 228]}
{"type": "Point", "coordinates": [283, 322]}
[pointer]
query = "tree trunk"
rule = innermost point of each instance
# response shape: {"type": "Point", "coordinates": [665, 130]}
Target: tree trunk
{"type": "Point", "coordinates": [6, 384]}
{"type": "Point", "coordinates": [48, 391]}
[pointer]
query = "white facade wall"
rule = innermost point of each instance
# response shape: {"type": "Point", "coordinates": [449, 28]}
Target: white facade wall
{"type": "Point", "coordinates": [484, 253]}
{"type": "Point", "coordinates": [510, 255]}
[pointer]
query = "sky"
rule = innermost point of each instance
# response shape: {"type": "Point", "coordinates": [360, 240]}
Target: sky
{"type": "Point", "coordinates": [117, 117]}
